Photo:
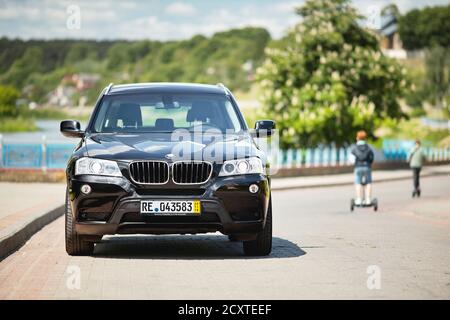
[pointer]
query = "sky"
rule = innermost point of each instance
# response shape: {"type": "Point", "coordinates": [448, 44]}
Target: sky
{"type": "Point", "coordinates": [157, 19]}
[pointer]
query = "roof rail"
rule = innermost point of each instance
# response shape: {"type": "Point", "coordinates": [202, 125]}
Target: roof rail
{"type": "Point", "coordinates": [221, 85]}
{"type": "Point", "coordinates": [108, 88]}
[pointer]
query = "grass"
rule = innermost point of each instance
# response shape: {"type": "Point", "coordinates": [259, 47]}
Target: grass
{"type": "Point", "coordinates": [25, 122]}
{"type": "Point", "coordinates": [413, 129]}
{"type": "Point", "coordinates": [19, 124]}
{"type": "Point", "coordinates": [46, 113]}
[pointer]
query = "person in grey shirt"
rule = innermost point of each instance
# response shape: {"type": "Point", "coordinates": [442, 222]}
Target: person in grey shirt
{"type": "Point", "coordinates": [416, 160]}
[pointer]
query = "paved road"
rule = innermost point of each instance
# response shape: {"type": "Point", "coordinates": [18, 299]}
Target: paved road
{"type": "Point", "coordinates": [321, 250]}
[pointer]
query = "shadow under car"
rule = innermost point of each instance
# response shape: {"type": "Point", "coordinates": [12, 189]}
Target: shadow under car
{"type": "Point", "coordinates": [186, 247]}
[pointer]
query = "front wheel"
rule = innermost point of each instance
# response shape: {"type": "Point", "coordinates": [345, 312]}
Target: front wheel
{"type": "Point", "coordinates": [262, 245]}
{"type": "Point", "coordinates": [75, 245]}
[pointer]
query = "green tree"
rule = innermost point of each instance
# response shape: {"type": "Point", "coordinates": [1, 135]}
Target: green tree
{"type": "Point", "coordinates": [118, 55]}
{"type": "Point", "coordinates": [427, 27]}
{"type": "Point", "coordinates": [331, 79]}
{"type": "Point", "coordinates": [79, 51]}
{"type": "Point", "coordinates": [391, 10]}
{"type": "Point", "coordinates": [24, 67]}
{"type": "Point", "coordinates": [8, 98]}
{"type": "Point", "coordinates": [437, 76]}
{"type": "Point", "coordinates": [40, 65]}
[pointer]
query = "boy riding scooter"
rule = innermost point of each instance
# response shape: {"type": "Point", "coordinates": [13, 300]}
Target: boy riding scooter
{"type": "Point", "coordinates": [362, 156]}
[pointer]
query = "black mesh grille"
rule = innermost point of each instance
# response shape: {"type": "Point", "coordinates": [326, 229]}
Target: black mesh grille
{"type": "Point", "coordinates": [191, 172]}
{"type": "Point", "coordinates": [149, 172]}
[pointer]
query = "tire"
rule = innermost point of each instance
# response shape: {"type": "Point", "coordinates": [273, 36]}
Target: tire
{"type": "Point", "coordinates": [262, 245]}
{"type": "Point", "coordinates": [75, 246]}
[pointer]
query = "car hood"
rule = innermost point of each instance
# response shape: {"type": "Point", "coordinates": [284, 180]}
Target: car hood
{"type": "Point", "coordinates": [161, 146]}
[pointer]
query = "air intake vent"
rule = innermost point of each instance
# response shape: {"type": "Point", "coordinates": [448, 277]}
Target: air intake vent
{"type": "Point", "coordinates": [149, 172]}
{"type": "Point", "coordinates": [191, 172]}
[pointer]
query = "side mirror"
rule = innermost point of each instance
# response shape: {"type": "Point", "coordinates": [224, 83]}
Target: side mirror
{"type": "Point", "coordinates": [264, 128]}
{"type": "Point", "coordinates": [71, 129]}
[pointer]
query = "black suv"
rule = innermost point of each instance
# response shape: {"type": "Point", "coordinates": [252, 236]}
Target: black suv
{"type": "Point", "coordinates": [166, 158]}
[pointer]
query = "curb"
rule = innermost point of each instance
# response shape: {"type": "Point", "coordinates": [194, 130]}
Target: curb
{"type": "Point", "coordinates": [20, 235]}
{"type": "Point", "coordinates": [350, 182]}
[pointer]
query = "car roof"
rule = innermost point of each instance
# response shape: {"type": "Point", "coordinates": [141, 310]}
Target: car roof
{"type": "Point", "coordinates": [165, 87]}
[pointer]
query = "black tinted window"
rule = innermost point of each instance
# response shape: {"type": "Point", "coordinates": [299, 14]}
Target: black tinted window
{"type": "Point", "coordinates": [165, 113]}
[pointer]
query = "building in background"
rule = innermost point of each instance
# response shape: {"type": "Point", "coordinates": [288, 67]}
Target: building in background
{"type": "Point", "coordinates": [72, 87]}
{"type": "Point", "coordinates": [390, 42]}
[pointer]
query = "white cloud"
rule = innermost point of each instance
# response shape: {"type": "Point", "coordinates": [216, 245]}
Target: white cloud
{"type": "Point", "coordinates": [93, 16]}
{"type": "Point", "coordinates": [286, 7]}
{"type": "Point", "coordinates": [181, 9]}
{"type": "Point", "coordinates": [156, 19]}
{"type": "Point", "coordinates": [155, 28]}
{"type": "Point", "coordinates": [128, 5]}
{"type": "Point", "coordinates": [23, 12]}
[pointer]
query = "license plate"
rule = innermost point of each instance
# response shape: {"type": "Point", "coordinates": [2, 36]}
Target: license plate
{"type": "Point", "coordinates": [171, 207]}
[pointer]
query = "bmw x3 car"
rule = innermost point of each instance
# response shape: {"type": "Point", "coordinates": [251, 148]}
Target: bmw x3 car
{"type": "Point", "coordinates": [166, 158]}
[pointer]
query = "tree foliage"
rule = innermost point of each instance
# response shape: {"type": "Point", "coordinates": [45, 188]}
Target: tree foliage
{"type": "Point", "coordinates": [331, 79]}
{"type": "Point", "coordinates": [40, 65]}
{"type": "Point", "coordinates": [8, 98]}
{"type": "Point", "coordinates": [437, 76]}
{"type": "Point", "coordinates": [427, 27]}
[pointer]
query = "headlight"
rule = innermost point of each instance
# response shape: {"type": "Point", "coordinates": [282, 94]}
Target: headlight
{"type": "Point", "coordinates": [241, 166]}
{"type": "Point", "coordinates": [97, 167]}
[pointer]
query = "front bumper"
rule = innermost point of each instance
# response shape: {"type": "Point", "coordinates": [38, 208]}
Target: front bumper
{"type": "Point", "coordinates": [113, 206]}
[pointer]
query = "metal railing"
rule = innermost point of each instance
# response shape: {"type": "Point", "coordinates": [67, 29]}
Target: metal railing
{"type": "Point", "coordinates": [330, 156]}
{"type": "Point", "coordinates": [55, 155]}
{"type": "Point", "coordinates": [34, 155]}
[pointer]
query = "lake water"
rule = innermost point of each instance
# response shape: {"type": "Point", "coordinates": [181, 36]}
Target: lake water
{"type": "Point", "coordinates": [47, 128]}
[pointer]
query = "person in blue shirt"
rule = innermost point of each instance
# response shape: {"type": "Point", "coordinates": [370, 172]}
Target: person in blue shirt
{"type": "Point", "coordinates": [362, 157]}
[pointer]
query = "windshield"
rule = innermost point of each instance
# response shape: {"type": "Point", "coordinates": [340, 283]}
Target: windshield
{"type": "Point", "coordinates": [136, 113]}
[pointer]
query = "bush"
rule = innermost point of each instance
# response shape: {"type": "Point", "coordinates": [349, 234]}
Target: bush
{"type": "Point", "coordinates": [18, 124]}
{"type": "Point", "coordinates": [8, 98]}
{"type": "Point", "coordinates": [418, 112]}
{"type": "Point", "coordinates": [47, 113]}
{"type": "Point", "coordinates": [414, 129]}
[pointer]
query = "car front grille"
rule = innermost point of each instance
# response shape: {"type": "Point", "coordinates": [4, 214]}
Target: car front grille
{"type": "Point", "coordinates": [191, 172]}
{"type": "Point", "coordinates": [149, 172]}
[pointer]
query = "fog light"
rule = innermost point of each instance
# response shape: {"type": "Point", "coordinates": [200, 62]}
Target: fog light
{"type": "Point", "coordinates": [86, 189]}
{"type": "Point", "coordinates": [253, 188]}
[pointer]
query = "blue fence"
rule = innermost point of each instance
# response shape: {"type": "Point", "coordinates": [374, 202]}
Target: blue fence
{"type": "Point", "coordinates": [330, 156]}
{"type": "Point", "coordinates": [55, 156]}
{"type": "Point", "coordinates": [34, 156]}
